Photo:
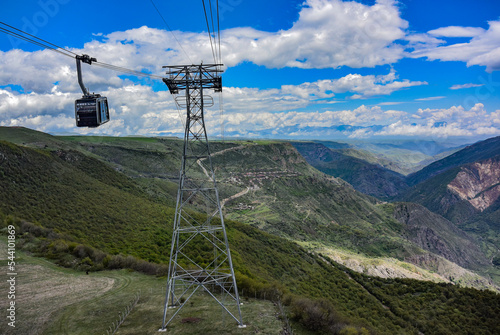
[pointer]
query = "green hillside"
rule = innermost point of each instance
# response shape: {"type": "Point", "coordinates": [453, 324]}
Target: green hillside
{"type": "Point", "coordinates": [365, 176]}
{"type": "Point", "coordinates": [87, 215]}
{"type": "Point", "coordinates": [278, 191]}
{"type": "Point", "coordinates": [26, 136]}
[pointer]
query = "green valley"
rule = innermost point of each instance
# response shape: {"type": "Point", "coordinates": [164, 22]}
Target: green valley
{"type": "Point", "coordinates": [105, 205]}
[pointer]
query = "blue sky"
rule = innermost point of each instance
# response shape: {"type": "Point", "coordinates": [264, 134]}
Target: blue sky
{"type": "Point", "coordinates": [309, 69]}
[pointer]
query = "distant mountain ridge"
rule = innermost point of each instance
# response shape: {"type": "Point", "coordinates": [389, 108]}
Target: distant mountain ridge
{"type": "Point", "coordinates": [472, 153]}
{"type": "Point", "coordinates": [429, 148]}
{"type": "Point", "coordinates": [365, 177]}
{"type": "Point", "coordinates": [402, 156]}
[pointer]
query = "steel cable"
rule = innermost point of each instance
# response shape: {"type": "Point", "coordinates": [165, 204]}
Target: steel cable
{"type": "Point", "coordinates": [209, 33]}
{"type": "Point", "coordinates": [53, 47]}
{"type": "Point", "coordinates": [170, 30]}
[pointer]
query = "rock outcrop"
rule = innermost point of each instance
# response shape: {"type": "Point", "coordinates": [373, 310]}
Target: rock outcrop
{"type": "Point", "coordinates": [478, 183]}
{"type": "Point", "coordinates": [436, 234]}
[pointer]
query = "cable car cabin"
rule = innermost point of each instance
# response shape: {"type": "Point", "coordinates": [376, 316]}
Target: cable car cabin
{"type": "Point", "coordinates": [91, 111]}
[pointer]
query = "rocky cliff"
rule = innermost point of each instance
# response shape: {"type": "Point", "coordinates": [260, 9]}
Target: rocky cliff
{"type": "Point", "coordinates": [478, 183]}
{"type": "Point", "coordinates": [438, 235]}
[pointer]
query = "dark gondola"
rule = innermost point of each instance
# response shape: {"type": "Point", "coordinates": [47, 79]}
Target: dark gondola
{"type": "Point", "coordinates": [92, 109]}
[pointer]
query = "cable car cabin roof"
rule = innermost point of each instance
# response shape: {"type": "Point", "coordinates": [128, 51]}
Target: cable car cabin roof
{"type": "Point", "coordinates": [91, 111]}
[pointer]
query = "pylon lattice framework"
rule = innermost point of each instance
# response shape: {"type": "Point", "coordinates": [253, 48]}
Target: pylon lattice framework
{"type": "Point", "coordinates": [213, 271]}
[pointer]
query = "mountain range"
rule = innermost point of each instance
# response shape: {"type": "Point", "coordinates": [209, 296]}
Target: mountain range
{"type": "Point", "coordinates": [294, 211]}
{"type": "Point", "coordinates": [462, 187]}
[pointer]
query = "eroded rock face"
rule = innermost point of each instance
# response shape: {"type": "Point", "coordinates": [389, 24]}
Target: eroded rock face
{"type": "Point", "coordinates": [478, 183]}
{"type": "Point", "coordinates": [436, 234]}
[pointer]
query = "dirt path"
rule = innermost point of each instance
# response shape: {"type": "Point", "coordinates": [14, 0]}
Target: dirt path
{"type": "Point", "coordinates": [216, 154]}
{"type": "Point", "coordinates": [229, 149]}
{"type": "Point", "coordinates": [237, 195]}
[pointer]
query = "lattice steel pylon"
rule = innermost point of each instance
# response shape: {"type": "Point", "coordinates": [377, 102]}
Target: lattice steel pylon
{"type": "Point", "coordinates": [199, 257]}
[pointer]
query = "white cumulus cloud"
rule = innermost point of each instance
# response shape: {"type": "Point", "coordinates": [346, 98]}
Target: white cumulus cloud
{"type": "Point", "coordinates": [483, 49]}
{"type": "Point", "coordinates": [363, 86]}
{"type": "Point", "coordinates": [328, 34]}
{"type": "Point", "coordinates": [457, 31]}
{"type": "Point", "coordinates": [455, 121]}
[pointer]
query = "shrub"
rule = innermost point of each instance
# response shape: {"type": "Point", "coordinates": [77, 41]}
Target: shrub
{"type": "Point", "coordinates": [57, 247]}
{"type": "Point", "coordinates": [82, 251]}
{"type": "Point", "coordinates": [316, 315]}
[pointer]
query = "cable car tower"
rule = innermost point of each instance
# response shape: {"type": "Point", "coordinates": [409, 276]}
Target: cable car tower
{"type": "Point", "coordinates": [214, 273]}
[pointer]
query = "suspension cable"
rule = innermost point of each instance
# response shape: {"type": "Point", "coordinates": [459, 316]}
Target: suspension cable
{"type": "Point", "coordinates": [39, 42]}
{"type": "Point", "coordinates": [218, 33]}
{"type": "Point", "coordinates": [213, 29]}
{"type": "Point", "coordinates": [53, 47]}
{"type": "Point", "coordinates": [209, 33]}
{"type": "Point", "coordinates": [125, 70]}
{"type": "Point", "coordinates": [170, 30]}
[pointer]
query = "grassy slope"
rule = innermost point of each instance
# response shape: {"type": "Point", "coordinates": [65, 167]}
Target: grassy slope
{"type": "Point", "coordinates": [25, 136]}
{"type": "Point", "coordinates": [60, 194]}
{"type": "Point", "coordinates": [134, 156]}
{"type": "Point", "coordinates": [54, 300]}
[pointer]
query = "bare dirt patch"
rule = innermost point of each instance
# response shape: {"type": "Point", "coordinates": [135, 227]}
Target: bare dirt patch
{"type": "Point", "coordinates": [43, 290]}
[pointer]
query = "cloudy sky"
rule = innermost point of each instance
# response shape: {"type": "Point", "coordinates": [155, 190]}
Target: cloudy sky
{"type": "Point", "coordinates": [308, 69]}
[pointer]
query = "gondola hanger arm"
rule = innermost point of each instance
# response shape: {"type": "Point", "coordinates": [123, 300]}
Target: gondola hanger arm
{"type": "Point", "coordinates": [86, 59]}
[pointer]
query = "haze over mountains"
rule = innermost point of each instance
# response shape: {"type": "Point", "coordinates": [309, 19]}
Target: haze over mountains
{"type": "Point", "coordinates": [117, 195]}
{"type": "Point", "coordinates": [378, 169]}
